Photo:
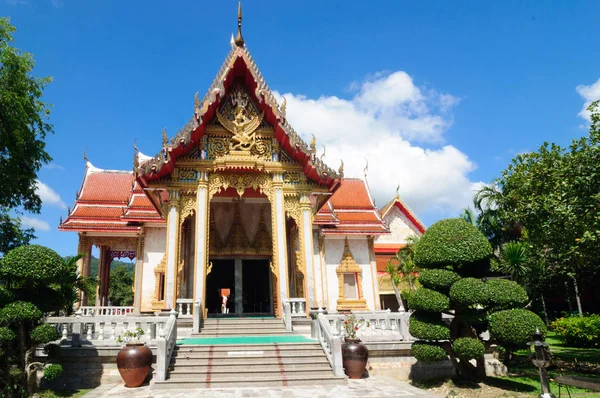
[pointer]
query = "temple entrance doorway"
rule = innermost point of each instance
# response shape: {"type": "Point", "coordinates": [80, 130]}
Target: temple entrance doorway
{"type": "Point", "coordinates": [220, 278]}
{"type": "Point", "coordinates": [256, 287]}
{"type": "Point", "coordinates": [238, 287]}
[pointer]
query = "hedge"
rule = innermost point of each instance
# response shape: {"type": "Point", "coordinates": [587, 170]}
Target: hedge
{"type": "Point", "coordinates": [504, 294]}
{"type": "Point", "coordinates": [428, 300]}
{"type": "Point", "coordinates": [31, 262]}
{"type": "Point", "coordinates": [514, 328]}
{"type": "Point", "coordinates": [469, 292]}
{"type": "Point", "coordinates": [451, 242]}
{"type": "Point", "coordinates": [579, 331]}
{"type": "Point", "coordinates": [44, 334]}
{"type": "Point", "coordinates": [428, 326]}
{"type": "Point", "coordinates": [6, 335]}
{"type": "Point", "coordinates": [467, 348]}
{"type": "Point", "coordinates": [428, 352]}
{"type": "Point", "coordinates": [438, 279]}
{"type": "Point", "coordinates": [19, 311]}
{"type": "Point", "coordinates": [52, 372]}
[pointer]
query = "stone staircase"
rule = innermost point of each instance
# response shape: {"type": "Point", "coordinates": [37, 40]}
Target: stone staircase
{"type": "Point", "coordinates": [230, 327]}
{"type": "Point", "coordinates": [247, 365]}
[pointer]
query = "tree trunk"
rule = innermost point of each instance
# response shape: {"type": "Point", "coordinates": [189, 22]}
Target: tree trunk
{"type": "Point", "coordinates": [401, 307]}
{"type": "Point", "coordinates": [568, 297]}
{"type": "Point", "coordinates": [577, 297]}
{"type": "Point", "coordinates": [544, 310]}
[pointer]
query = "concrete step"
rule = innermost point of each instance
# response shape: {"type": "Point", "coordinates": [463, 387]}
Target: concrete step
{"type": "Point", "coordinates": [220, 381]}
{"type": "Point", "coordinates": [185, 363]}
{"type": "Point", "coordinates": [249, 347]}
{"type": "Point", "coordinates": [246, 355]}
{"type": "Point", "coordinates": [242, 320]}
{"type": "Point", "coordinates": [306, 369]}
{"type": "Point", "coordinates": [240, 333]}
{"type": "Point", "coordinates": [243, 326]}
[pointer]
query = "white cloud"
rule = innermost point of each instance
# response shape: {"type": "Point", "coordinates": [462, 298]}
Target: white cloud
{"type": "Point", "coordinates": [590, 94]}
{"type": "Point", "coordinates": [36, 223]}
{"type": "Point", "coordinates": [383, 120]}
{"type": "Point", "coordinates": [53, 166]}
{"type": "Point", "coordinates": [49, 196]}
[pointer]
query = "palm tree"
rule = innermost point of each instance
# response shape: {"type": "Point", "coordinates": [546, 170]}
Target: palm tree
{"type": "Point", "coordinates": [469, 216]}
{"type": "Point", "coordinates": [514, 260]}
{"type": "Point", "coordinates": [402, 268]}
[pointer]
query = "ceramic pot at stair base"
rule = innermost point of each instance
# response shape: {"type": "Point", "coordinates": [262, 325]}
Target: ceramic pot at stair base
{"type": "Point", "coordinates": [355, 356]}
{"type": "Point", "coordinates": [134, 362]}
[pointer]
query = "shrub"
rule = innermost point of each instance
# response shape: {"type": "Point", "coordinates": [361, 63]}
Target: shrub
{"type": "Point", "coordinates": [467, 348]}
{"type": "Point", "coordinates": [31, 262]}
{"type": "Point", "coordinates": [6, 296]}
{"type": "Point", "coordinates": [428, 326]}
{"type": "Point", "coordinates": [514, 328]}
{"type": "Point", "coordinates": [44, 334]}
{"type": "Point", "coordinates": [6, 335]}
{"type": "Point", "coordinates": [579, 331]}
{"type": "Point", "coordinates": [20, 311]}
{"type": "Point", "coordinates": [451, 242]}
{"type": "Point", "coordinates": [504, 294]}
{"type": "Point", "coordinates": [52, 372]}
{"type": "Point", "coordinates": [469, 292]}
{"type": "Point", "coordinates": [428, 352]}
{"type": "Point", "coordinates": [438, 279]}
{"type": "Point", "coordinates": [428, 300]}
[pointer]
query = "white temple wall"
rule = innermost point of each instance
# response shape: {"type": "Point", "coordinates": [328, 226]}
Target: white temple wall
{"type": "Point", "coordinates": [400, 227]}
{"type": "Point", "coordinates": [334, 249]}
{"type": "Point", "coordinates": [154, 249]}
{"type": "Point", "coordinates": [318, 274]}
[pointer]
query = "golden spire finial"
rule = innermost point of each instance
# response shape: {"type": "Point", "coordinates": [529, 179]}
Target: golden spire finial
{"type": "Point", "coordinates": [239, 40]}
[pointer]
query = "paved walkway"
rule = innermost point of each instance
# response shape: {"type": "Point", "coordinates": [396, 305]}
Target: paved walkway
{"type": "Point", "coordinates": [372, 387]}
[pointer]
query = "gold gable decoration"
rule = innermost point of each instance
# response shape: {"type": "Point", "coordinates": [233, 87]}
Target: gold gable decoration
{"type": "Point", "coordinates": [348, 265]}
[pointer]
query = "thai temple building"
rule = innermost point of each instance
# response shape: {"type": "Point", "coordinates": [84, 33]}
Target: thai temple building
{"type": "Point", "coordinates": [236, 204]}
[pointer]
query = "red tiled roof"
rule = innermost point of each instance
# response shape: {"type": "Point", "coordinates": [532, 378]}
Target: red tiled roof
{"type": "Point", "coordinates": [109, 201]}
{"type": "Point", "coordinates": [350, 210]}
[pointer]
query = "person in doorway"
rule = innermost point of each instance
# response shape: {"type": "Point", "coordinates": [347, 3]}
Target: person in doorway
{"type": "Point", "coordinates": [224, 299]}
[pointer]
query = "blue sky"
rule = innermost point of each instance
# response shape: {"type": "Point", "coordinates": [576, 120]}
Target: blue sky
{"type": "Point", "coordinates": [437, 95]}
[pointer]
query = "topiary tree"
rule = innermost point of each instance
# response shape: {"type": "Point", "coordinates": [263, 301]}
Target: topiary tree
{"type": "Point", "coordinates": [455, 258]}
{"type": "Point", "coordinates": [32, 282]}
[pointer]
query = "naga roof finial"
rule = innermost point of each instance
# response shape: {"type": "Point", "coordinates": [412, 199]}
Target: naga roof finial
{"type": "Point", "coordinates": [366, 168]}
{"type": "Point", "coordinates": [313, 145]}
{"type": "Point", "coordinates": [84, 155]}
{"type": "Point", "coordinates": [341, 169]}
{"type": "Point", "coordinates": [239, 40]}
{"type": "Point", "coordinates": [397, 192]}
{"type": "Point", "coordinates": [165, 137]}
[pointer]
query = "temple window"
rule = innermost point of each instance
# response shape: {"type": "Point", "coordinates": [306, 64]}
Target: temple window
{"type": "Point", "coordinates": [349, 272]}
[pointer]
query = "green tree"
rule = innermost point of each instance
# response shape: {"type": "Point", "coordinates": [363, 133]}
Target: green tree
{"type": "Point", "coordinates": [553, 193]}
{"type": "Point", "coordinates": [401, 268]}
{"type": "Point", "coordinates": [454, 257]}
{"type": "Point", "coordinates": [29, 277]}
{"type": "Point", "coordinates": [119, 291]}
{"type": "Point", "coordinates": [23, 128]}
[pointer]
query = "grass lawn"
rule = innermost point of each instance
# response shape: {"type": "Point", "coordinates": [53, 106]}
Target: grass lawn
{"type": "Point", "coordinates": [524, 380]}
{"type": "Point", "coordinates": [61, 393]}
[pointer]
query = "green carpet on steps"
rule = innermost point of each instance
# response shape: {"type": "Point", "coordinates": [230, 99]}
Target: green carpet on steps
{"type": "Point", "coordinates": [244, 340]}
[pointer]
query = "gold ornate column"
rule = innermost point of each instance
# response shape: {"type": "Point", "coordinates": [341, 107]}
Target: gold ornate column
{"type": "Point", "coordinates": [279, 240]}
{"type": "Point", "coordinates": [202, 238]}
{"type": "Point", "coordinates": [83, 264]}
{"type": "Point", "coordinates": [172, 247]}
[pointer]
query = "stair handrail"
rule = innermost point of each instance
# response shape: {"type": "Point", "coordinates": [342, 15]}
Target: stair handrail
{"type": "Point", "coordinates": [287, 316]}
{"type": "Point", "coordinates": [197, 316]}
{"type": "Point", "coordinates": [166, 346]}
{"type": "Point", "coordinates": [331, 344]}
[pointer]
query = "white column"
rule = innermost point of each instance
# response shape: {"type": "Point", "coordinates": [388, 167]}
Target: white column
{"type": "Point", "coordinates": [201, 257]}
{"type": "Point", "coordinates": [139, 267]}
{"type": "Point", "coordinates": [308, 250]}
{"type": "Point", "coordinates": [172, 232]}
{"type": "Point", "coordinates": [281, 239]}
{"type": "Point", "coordinates": [318, 275]}
{"type": "Point", "coordinates": [238, 286]}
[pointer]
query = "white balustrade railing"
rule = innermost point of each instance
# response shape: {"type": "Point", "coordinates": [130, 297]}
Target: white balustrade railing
{"type": "Point", "coordinates": [109, 310]}
{"type": "Point", "coordinates": [331, 343]}
{"type": "Point", "coordinates": [165, 345]}
{"type": "Point", "coordinates": [383, 326]}
{"type": "Point", "coordinates": [185, 307]}
{"type": "Point", "coordinates": [103, 330]}
{"type": "Point", "coordinates": [297, 306]}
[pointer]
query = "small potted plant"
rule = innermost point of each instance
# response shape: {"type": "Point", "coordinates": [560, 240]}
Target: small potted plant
{"type": "Point", "coordinates": [354, 353]}
{"type": "Point", "coordinates": [135, 359]}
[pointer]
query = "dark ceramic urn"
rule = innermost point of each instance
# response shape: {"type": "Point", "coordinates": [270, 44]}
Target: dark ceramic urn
{"type": "Point", "coordinates": [134, 362]}
{"type": "Point", "coordinates": [355, 356]}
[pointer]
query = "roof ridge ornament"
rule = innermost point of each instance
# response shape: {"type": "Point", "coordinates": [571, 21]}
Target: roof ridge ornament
{"type": "Point", "coordinates": [239, 40]}
{"type": "Point", "coordinates": [85, 158]}
{"type": "Point", "coordinates": [397, 192]}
